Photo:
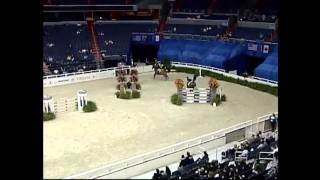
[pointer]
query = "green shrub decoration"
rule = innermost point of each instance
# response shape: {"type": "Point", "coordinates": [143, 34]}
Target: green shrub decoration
{"type": "Point", "coordinates": [125, 95]}
{"type": "Point", "coordinates": [223, 97]}
{"type": "Point", "coordinates": [90, 107]}
{"type": "Point", "coordinates": [128, 94]}
{"type": "Point", "coordinates": [48, 116]}
{"type": "Point", "coordinates": [253, 85]}
{"type": "Point", "coordinates": [135, 94]}
{"type": "Point", "coordinates": [217, 100]}
{"type": "Point", "coordinates": [138, 86]}
{"type": "Point", "coordinates": [176, 99]}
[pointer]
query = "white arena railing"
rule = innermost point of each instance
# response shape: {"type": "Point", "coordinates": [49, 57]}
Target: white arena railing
{"type": "Point", "coordinates": [76, 77]}
{"type": "Point", "coordinates": [223, 72]}
{"type": "Point", "coordinates": [252, 126]}
{"type": "Point", "coordinates": [70, 78]}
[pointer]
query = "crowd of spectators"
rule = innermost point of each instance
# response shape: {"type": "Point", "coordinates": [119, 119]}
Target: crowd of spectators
{"type": "Point", "coordinates": [256, 16]}
{"type": "Point", "coordinates": [242, 162]}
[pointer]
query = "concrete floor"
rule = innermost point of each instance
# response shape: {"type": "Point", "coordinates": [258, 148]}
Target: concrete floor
{"type": "Point", "coordinates": [76, 142]}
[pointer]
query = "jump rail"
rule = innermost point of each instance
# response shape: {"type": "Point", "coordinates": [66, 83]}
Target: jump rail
{"type": "Point", "coordinates": [140, 159]}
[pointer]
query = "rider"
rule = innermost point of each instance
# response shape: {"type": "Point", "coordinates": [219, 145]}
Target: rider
{"type": "Point", "coordinates": [157, 67]}
{"type": "Point", "coordinates": [188, 81]}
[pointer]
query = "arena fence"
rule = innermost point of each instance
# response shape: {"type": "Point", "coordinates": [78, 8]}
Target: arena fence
{"type": "Point", "coordinates": [208, 38]}
{"type": "Point", "coordinates": [76, 77]}
{"type": "Point", "coordinates": [149, 161]}
{"type": "Point", "coordinates": [223, 72]}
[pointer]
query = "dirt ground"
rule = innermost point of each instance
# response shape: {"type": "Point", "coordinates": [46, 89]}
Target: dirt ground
{"type": "Point", "coordinates": [75, 142]}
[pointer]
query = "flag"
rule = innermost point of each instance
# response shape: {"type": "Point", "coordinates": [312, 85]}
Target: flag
{"type": "Point", "coordinates": [265, 49]}
{"type": "Point", "coordinates": [252, 47]}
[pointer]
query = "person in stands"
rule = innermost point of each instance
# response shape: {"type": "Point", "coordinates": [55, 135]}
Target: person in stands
{"type": "Point", "coordinates": [156, 175]}
{"type": "Point", "coordinates": [252, 139]}
{"type": "Point", "coordinates": [163, 175]}
{"type": "Point", "coordinates": [205, 156]}
{"type": "Point", "coordinates": [190, 159]}
{"type": "Point", "coordinates": [182, 162]}
{"type": "Point", "coordinates": [168, 171]}
{"type": "Point", "coordinates": [273, 121]}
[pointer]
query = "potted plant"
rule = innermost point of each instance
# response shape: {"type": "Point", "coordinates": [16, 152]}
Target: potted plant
{"type": "Point", "coordinates": [121, 79]}
{"type": "Point", "coordinates": [134, 79]}
{"type": "Point", "coordinates": [179, 84]}
{"type": "Point", "coordinates": [213, 85]}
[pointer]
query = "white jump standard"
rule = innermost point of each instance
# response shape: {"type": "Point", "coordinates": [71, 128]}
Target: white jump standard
{"type": "Point", "coordinates": [48, 104]}
{"type": "Point", "coordinates": [82, 99]}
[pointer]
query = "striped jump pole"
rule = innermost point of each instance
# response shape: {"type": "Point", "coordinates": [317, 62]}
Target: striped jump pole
{"type": "Point", "coordinates": [200, 95]}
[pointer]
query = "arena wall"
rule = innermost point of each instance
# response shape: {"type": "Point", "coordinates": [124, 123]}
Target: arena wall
{"type": "Point", "coordinates": [70, 78]}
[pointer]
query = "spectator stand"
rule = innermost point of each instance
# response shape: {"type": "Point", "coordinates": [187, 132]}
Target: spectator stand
{"type": "Point", "coordinates": [219, 156]}
{"type": "Point", "coordinates": [150, 161]}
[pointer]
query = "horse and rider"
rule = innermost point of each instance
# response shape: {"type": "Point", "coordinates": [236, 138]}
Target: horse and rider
{"type": "Point", "coordinates": [191, 83]}
{"type": "Point", "coordinates": [159, 69]}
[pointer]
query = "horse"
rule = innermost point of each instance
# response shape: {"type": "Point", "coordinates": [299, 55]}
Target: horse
{"type": "Point", "coordinates": [162, 71]}
{"type": "Point", "coordinates": [191, 83]}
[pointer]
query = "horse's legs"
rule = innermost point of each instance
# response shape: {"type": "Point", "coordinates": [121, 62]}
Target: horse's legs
{"type": "Point", "coordinates": [166, 76]}
{"type": "Point", "coordinates": [154, 76]}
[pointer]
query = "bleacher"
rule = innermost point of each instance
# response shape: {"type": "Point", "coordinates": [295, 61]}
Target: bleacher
{"type": "Point", "coordinates": [209, 30]}
{"type": "Point", "coordinates": [251, 33]}
{"type": "Point", "coordinates": [114, 39]}
{"type": "Point", "coordinates": [83, 2]}
{"type": "Point", "coordinates": [200, 16]}
{"type": "Point", "coordinates": [66, 48]}
{"type": "Point", "coordinates": [246, 162]}
{"type": "Point", "coordinates": [221, 6]}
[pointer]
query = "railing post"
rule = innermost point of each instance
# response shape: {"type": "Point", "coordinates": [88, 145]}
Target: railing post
{"type": "Point", "coordinates": [217, 154]}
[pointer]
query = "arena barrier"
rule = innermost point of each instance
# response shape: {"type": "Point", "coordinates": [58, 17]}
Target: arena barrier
{"type": "Point", "coordinates": [65, 104]}
{"type": "Point", "coordinates": [223, 72]}
{"type": "Point", "coordinates": [199, 95]}
{"type": "Point", "coordinates": [140, 164]}
{"type": "Point", "coordinates": [76, 77]}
